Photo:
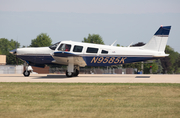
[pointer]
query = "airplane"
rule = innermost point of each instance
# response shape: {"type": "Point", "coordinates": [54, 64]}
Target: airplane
{"type": "Point", "coordinates": [80, 54]}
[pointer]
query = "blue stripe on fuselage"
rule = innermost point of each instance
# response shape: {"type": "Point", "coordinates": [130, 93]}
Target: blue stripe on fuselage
{"type": "Point", "coordinates": [64, 54]}
{"type": "Point", "coordinates": [37, 59]}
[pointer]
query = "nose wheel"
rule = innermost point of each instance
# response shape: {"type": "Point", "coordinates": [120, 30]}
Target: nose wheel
{"type": "Point", "coordinates": [26, 73]}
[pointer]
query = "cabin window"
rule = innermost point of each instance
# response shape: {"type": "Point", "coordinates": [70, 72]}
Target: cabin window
{"type": "Point", "coordinates": [64, 47]}
{"type": "Point", "coordinates": [92, 50]}
{"type": "Point", "coordinates": [53, 47]}
{"type": "Point", "coordinates": [77, 48]}
{"type": "Point", "coordinates": [104, 52]}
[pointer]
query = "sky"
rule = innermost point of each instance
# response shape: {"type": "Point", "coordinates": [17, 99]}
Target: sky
{"type": "Point", "coordinates": [126, 21]}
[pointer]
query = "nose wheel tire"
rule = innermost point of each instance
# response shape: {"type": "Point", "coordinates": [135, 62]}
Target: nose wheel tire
{"type": "Point", "coordinates": [26, 73]}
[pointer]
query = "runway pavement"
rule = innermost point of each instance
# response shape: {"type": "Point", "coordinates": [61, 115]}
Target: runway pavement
{"type": "Point", "coordinates": [92, 78]}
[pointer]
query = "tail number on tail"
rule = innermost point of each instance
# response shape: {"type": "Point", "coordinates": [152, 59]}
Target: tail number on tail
{"type": "Point", "coordinates": [110, 60]}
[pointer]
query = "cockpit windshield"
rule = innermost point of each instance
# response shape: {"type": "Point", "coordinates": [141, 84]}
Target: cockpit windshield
{"type": "Point", "coordinates": [53, 47]}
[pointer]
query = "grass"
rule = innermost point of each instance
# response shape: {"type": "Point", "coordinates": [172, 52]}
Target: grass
{"type": "Point", "coordinates": [66, 100]}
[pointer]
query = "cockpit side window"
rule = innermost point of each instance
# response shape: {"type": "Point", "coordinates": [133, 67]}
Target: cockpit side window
{"type": "Point", "coordinates": [92, 50]}
{"type": "Point", "coordinates": [53, 47]}
{"type": "Point", "coordinates": [64, 47]}
{"type": "Point", "coordinates": [77, 48]}
{"type": "Point", "coordinates": [104, 52]}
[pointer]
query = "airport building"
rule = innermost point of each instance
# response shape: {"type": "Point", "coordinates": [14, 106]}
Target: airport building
{"type": "Point", "coordinates": [2, 59]}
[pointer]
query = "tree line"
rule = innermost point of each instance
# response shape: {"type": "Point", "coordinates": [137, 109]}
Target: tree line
{"type": "Point", "coordinates": [170, 64]}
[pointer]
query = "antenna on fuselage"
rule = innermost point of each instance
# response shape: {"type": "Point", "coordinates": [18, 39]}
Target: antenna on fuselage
{"type": "Point", "coordinates": [113, 43]}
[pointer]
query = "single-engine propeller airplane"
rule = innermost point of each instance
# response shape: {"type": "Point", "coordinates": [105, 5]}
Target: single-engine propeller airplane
{"type": "Point", "coordinates": [79, 54]}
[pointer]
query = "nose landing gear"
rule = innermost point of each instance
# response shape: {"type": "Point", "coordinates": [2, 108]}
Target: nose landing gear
{"type": "Point", "coordinates": [28, 70]}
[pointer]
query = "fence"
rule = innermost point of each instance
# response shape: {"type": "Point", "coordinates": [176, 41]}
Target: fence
{"type": "Point", "coordinates": [13, 69]}
{"type": "Point", "coordinates": [95, 70]}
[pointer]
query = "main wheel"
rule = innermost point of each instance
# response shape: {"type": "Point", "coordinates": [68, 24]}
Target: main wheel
{"type": "Point", "coordinates": [76, 73]}
{"type": "Point", "coordinates": [26, 73]}
{"type": "Point", "coordinates": [69, 74]}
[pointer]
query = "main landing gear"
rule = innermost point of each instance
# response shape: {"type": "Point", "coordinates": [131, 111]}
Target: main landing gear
{"type": "Point", "coordinates": [72, 71]}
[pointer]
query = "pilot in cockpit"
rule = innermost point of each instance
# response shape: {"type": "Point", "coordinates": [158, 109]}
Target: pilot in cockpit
{"type": "Point", "coordinates": [66, 47]}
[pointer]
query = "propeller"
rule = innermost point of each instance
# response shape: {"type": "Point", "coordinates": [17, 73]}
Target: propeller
{"type": "Point", "coordinates": [13, 51]}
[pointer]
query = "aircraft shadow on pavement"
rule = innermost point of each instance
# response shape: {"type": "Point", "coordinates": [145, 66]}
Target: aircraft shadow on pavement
{"type": "Point", "coordinates": [64, 77]}
{"type": "Point", "coordinates": [142, 77]}
{"type": "Point", "coordinates": [53, 77]}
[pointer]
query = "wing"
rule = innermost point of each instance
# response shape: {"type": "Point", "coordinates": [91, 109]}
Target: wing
{"type": "Point", "coordinates": [62, 57]}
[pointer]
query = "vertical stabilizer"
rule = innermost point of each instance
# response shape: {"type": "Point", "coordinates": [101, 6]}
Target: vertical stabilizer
{"type": "Point", "coordinates": [159, 40]}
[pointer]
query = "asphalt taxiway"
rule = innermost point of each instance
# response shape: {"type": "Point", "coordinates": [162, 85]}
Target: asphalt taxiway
{"type": "Point", "coordinates": [92, 78]}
